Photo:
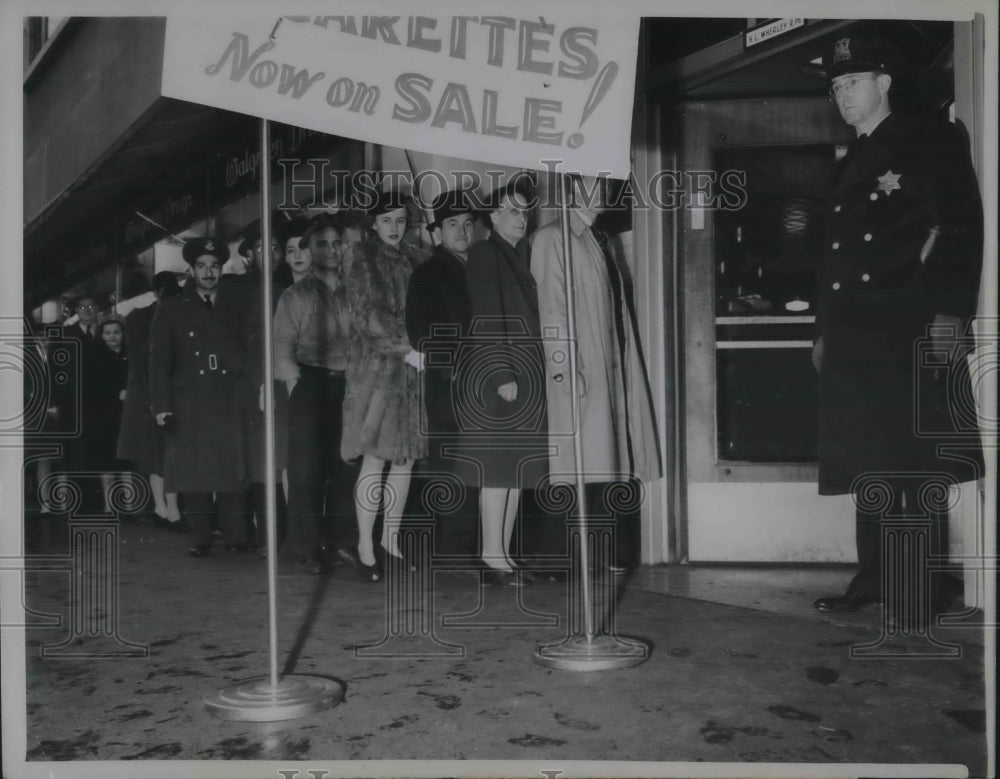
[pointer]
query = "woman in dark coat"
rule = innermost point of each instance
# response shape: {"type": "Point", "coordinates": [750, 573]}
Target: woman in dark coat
{"type": "Point", "coordinates": [382, 396]}
{"type": "Point", "coordinates": [140, 441]}
{"type": "Point", "coordinates": [503, 375]}
{"type": "Point", "coordinates": [104, 409]}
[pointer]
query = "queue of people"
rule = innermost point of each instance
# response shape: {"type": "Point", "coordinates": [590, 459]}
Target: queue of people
{"type": "Point", "coordinates": [402, 378]}
{"type": "Point", "coordinates": [359, 404]}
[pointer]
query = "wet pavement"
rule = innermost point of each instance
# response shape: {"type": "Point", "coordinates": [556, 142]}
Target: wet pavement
{"type": "Point", "coordinates": [723, 682]}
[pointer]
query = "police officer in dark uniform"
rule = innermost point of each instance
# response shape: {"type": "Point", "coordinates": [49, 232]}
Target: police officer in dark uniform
{"type": "Point", "coordinates": [900, 279]}
{"type": "Point", "coordinates": [197, 356]}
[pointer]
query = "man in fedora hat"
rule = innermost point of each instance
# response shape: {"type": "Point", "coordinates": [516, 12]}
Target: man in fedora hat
{"type": "Point", "coordinates": [197, 355]}
{"type": "Point", "coordinates": [900, 278]}
{"type": "Point", "coordinates": [437, 318]}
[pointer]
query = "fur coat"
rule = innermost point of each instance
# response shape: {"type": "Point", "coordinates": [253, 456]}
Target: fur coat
{"type": "Point", "coordinates": [382, 402]}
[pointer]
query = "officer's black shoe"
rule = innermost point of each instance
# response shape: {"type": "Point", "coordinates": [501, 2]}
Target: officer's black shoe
{"type": "Point", "coordinates": [201, 550]}
{"type": "Point", "coordinates": [849, 601]}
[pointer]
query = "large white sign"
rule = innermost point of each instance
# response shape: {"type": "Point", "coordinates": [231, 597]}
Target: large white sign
{"type": "Point", "coordinates": [523, 92]}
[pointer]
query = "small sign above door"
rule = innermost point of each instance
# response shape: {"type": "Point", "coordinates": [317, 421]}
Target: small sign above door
{"type": "Point", "coordinates": [772, 29]}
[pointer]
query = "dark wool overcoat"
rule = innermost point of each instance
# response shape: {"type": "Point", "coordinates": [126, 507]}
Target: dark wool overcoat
{"type": "Point", "coordinates": [437, 322]}
{"type": "Point", "coordinates": [71, 390]}
{"type": "Point", "coordinates": [103, 408]}
{"type": "Point", "coordinates": [504, 346]}
{"type": "Point", "coordinates": [249, 288]}
{"type": "Point", "coordinates": [197, 358]}
{"type": "Point", "coordinates": [904, 241]}
{"type": "Point", "coordinates": [139, 440]}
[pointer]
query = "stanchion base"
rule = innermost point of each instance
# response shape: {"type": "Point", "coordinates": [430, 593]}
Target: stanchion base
{"type": "Point", "coordinates": [257, 701]}
{"type": "Point", "coordinates": [600, 653]}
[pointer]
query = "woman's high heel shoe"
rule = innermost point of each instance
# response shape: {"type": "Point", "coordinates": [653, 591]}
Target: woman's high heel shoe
{"type": "Point", "coordinates": [371, 573]}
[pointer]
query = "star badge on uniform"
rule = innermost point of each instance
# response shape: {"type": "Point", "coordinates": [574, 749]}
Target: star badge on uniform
{"type": "Point", "coordinates": [889, 181]}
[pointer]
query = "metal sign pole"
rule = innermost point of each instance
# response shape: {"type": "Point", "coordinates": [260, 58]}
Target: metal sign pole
{"type": "Point", "coordinates": [418, 197]}
{"type": "Point", "coordinates": [269, 699]}
{"type": "Point", "coordinates": [118, 287]}
{"type": "Point", "coordinates": [589, 652]}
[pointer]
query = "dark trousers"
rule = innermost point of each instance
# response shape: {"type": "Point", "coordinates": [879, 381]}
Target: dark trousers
{"type": "Point", "coordinates": [320, 483]}
{"type": "Point", "coordinates": [257, 506]}
{"type": "Point", "coordinates": [883, 512]}
{"type": "Point", "coordinates": [229, 510]}
{"type": "Point", "coordinates": [545, 518]}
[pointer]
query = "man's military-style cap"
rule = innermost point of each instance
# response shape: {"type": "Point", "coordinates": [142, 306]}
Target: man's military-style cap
{"type": "Point", "coordinates": [198, 247]}
{"type": "Point", "coordinates": [861, 53]}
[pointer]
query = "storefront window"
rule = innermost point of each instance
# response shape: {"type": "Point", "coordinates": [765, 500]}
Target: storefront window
{"type": "Point", "coordinates": [767, 256]}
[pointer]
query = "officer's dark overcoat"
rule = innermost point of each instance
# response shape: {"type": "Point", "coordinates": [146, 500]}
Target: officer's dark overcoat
{"type": "Point", "coordinates": [197, 358]}
{"type": "Point", "coordinates": [883, 407]}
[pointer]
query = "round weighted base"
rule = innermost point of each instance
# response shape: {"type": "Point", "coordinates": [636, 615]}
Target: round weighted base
{"type": "Point", "coordinates": [600, 653]}
{"type": "Point", "coordinates": [257, 701]}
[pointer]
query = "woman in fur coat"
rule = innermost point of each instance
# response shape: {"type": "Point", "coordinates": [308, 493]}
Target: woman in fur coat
{"type": "Point", "coordinates": [382, 401]}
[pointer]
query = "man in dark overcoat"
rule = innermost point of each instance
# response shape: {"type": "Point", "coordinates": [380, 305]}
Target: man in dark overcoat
{"type": "Point", "coordinates": [437, 319]}
{"type": "Point", "coordinates": [197, 357]}
{"type": "Point", "coordinates": [898, 287]}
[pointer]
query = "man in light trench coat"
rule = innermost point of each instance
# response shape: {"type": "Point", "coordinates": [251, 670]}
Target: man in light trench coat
{"type": "Point", "coordinates": [619, 445]}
